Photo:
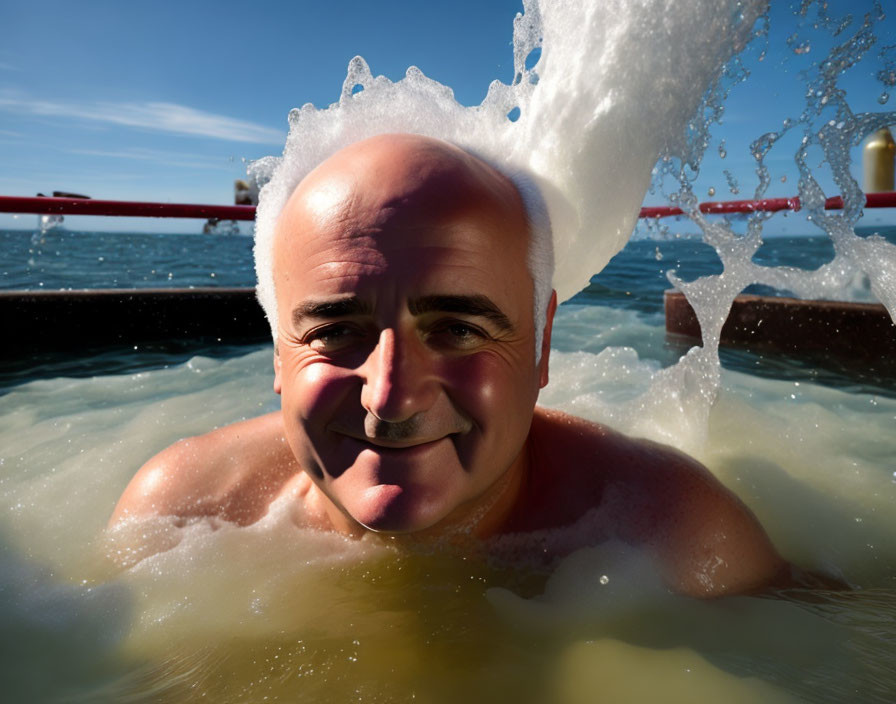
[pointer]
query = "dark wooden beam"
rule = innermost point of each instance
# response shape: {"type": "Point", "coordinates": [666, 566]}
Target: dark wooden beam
{"type": "Point", "coordinates": [854, 332]}
{"type": "Point", "coordinates": [70, 320]}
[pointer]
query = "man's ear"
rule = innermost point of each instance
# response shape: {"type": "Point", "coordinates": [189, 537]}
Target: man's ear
{"type": "Point", "coordinates": [546, 342]}
{"type": "Point", "coordinates": [277, 368]}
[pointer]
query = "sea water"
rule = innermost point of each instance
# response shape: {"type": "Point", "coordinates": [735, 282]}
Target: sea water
{"type": "Point", "coordinates": [271, 612]}
{"type": "Point", "coordinates": [239, 614]}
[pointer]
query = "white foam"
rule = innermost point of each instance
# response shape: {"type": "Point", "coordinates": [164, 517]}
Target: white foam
{"type": "Point", "coordinates": [615, 86]}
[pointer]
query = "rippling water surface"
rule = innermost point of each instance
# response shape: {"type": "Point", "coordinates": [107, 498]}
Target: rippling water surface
{"type": "Point", "coordinates": [271, 612]}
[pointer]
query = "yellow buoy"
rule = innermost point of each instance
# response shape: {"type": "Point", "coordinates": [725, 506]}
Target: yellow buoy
{"type": "Point", "coordinates": [878, 161]}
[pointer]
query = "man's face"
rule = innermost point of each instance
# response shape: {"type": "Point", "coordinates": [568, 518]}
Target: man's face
{"type": "Point", "coordinates": [406, 357]}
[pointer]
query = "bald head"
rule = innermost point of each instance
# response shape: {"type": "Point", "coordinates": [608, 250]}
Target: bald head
{"type": "Point", "coordinates": [402, 177]}
{"type": "Point", "coordinates": [412, 183]}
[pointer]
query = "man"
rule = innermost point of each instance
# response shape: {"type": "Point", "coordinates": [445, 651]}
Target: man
{"type": "Point", "coordinates": [409, 361]}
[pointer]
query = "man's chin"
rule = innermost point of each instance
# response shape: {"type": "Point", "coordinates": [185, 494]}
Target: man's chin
{"type": "Point", "coordinates": [390, 508]}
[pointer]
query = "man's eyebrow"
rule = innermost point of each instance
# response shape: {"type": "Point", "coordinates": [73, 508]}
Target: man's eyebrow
{"type": "Point", "coordinates": [475, 305]}
{"type": "Point", "coordinates": [328, 309]}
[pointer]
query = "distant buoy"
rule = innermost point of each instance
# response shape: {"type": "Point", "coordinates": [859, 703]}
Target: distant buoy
{"type": "Point", "coordinates": [878, 158]}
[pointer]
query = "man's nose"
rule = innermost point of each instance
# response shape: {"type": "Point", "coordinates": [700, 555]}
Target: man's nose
{"type": "Point", "coordinates": [399, 381]}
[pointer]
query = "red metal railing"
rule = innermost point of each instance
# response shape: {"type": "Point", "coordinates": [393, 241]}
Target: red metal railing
{"type": "Point", "coordinates": [89, 206]}
{"type": "Point", "coordinates": [770, 205]}
{"type": "Point", "coordinates": [84, 206]}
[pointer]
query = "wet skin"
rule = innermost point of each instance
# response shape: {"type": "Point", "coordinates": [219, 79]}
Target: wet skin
{"type": "Point", "coordinates": [406, 363]}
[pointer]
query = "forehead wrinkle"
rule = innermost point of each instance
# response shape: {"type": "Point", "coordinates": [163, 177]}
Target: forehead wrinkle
{"type": "Point", "coordinates": [330, 264]}
{"type": "Point", "coordinates": [318, 219]}
{"type": "Point", "coordinates": [352, 252]}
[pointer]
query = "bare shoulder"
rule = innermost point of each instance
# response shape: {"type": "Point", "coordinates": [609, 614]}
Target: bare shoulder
{"type": "Point", "coordinates": [705, 539]}
{"type": "Point", "coordinates": [233, 472]}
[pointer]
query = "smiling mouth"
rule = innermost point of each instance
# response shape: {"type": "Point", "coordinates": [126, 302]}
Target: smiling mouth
{"type": "Point", "coordinates": [415, 433]}
{"type": "Point", "coordinates": [379, 444]}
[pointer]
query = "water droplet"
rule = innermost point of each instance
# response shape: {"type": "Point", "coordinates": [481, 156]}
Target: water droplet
{"type": "Point", "coordinates": [732, 182]}
{"type": "Point", "coordinates": [883, 98]}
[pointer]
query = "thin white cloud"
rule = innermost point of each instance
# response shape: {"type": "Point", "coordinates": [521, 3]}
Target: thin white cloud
{"type": "Point", "coordinates": [166, 158]}
{"type": "Point", "coordinates": [156, 116]}
{"type": "Point", "coordinates": [8, 67]}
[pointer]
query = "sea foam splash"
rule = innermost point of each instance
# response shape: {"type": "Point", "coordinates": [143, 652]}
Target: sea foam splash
{"type": "Point", "coordinates": [828, 127]}
{"type": "Point", "coordinates": [615, 86]}
{"type": "Point", "coordinates": [601, 94]}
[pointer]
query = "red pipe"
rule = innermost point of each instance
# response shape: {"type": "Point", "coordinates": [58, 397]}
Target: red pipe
{"type": "Point", "coordinates": [85, 206]}
{"type": "Point", "coordinates": [88, 206]}
{"type": "Point", "coordinates": [769, 205]}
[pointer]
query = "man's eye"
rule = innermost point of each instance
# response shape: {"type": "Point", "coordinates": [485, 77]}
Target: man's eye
{"type": "Point", "coordinates": [332, 338]}
{"type": "Point", "coordinates": [459, 335]}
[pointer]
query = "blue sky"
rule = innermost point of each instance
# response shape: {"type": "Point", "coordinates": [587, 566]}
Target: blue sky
{"type": "Point", "coordinates": [165, 101]}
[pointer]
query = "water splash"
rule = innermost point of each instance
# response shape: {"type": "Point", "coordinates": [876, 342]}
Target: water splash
{"type": "Point", "coordinates": [615, 86]}
{"type": "Point", "coordinates": [608, 101]}
{"type": "Point", "coordinates": [827, 125]}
